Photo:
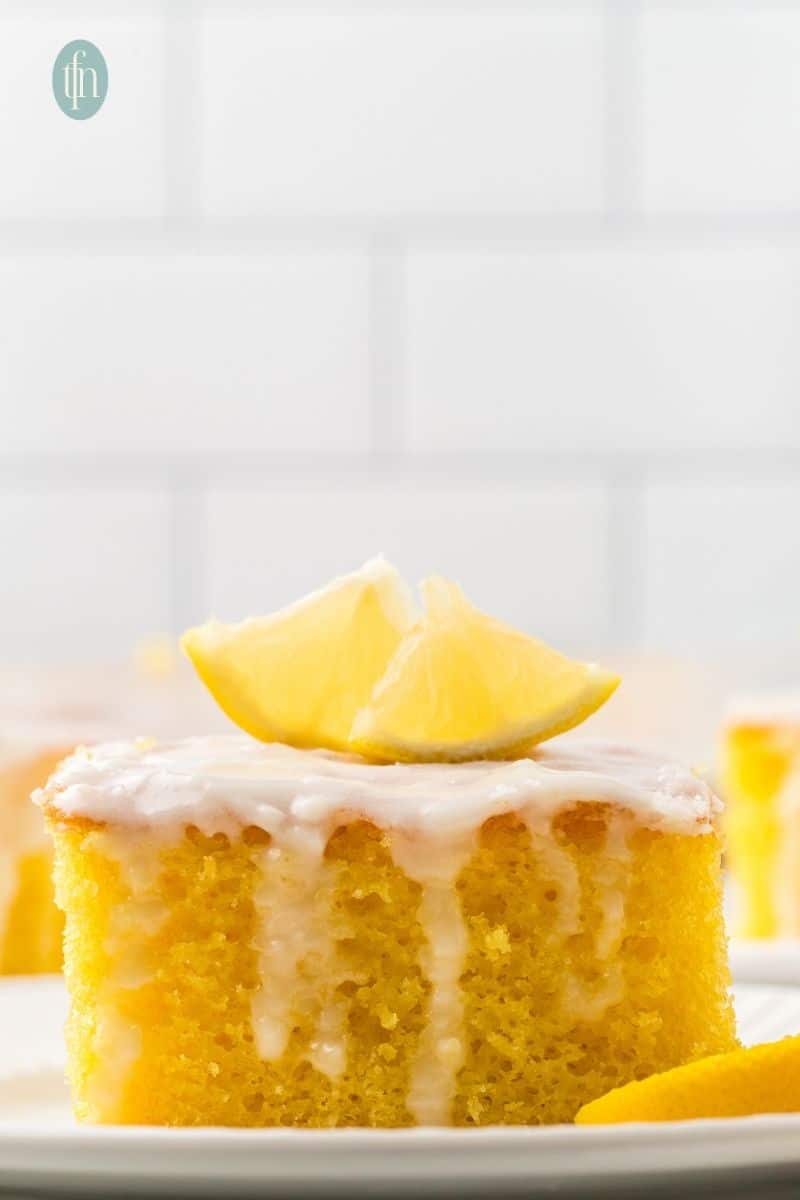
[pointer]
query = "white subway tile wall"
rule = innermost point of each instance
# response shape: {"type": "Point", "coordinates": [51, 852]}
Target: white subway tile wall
{"type": "Point", "coordinates": [712, 552]}
{"type": "Point", "coordinates": [622, 348]}
{"type": "Point", "coordinates": [88, 570]}
{"type": "Point", "coordinates": [721, 108]}
{"type": "Point", "coordinates": [186, 355]}
{"type": "Point", "coordinates": [397, 113]}
{"type": "Point", "coordinates": [510, 291]}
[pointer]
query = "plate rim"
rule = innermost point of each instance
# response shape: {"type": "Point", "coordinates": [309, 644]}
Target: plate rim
{"type": "Point", "coordinates": [212, 1154]}
{"type": "Point", "coordinates": [62, 1157]}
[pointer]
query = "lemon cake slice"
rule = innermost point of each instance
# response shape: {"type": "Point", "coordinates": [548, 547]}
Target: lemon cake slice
{"type": "Point", "coordinates": [760, 774]}
{"type": "Point", "coordinates": [35, 733]}
{"type": "Point", "coordinates": [44, 715]}
{"type": "Point", "coordinates": [30, 923]}
{"type": "Point", "coordinates": [258, 934]}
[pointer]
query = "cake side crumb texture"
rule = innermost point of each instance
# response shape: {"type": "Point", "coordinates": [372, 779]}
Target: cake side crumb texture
{"type": "Point", "coordinates": [595, 954]}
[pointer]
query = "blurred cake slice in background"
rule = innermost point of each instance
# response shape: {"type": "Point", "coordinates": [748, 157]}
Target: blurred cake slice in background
{"type": "Point", "coordinates": [44, 716]}
{"type": "Point", "coordinates": [30, 924]}
{"type": "Point", "coordinates": [760, 776]}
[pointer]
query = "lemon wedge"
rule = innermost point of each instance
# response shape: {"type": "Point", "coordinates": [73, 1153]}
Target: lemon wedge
{"type": "Point", "coordinates": [761, 1079]}
{"type": "Point", "coordinates": [462, 685]}
{"type": "Point", "coordinates": [300, 675]}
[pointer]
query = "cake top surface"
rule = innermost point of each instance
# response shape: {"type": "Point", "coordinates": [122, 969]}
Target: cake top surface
{"type": "Point", "coordinates": [766, 708]}
{"type": "Point", "coordinates": [222, 783]}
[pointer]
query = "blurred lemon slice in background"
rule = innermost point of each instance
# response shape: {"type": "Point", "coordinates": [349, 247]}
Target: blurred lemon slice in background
{"type": "Point", "coordinates": [761, 1079]}
{"type": "Point", "coordinates": [462, 686]}
{"type": "Point", "coordinates": [300, 675]}
{"type": "Point", "coordinates": [156, 656]}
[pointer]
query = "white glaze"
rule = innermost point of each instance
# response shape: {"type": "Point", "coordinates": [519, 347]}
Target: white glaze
{"type": "Point", "coordinates": [327, 1051]}
{"type": "Point", "coordinates": [436, 864]}
{"type": "Point", "coordinates": [292, 932]}
{"type": "Point", "coordinates": [557, 866]}
{"type": "Point", "coordinates": [221, 784]}
{"type": "Point", "coordinates": [610, 877]}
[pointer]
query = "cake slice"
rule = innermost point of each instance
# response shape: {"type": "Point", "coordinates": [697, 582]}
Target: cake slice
{"type": "Point", "coordinates": [260, 935]}
{"type": "Point", "coordinates": [30, 923]}
{"type": "Point", "coordinates": [760, 774]}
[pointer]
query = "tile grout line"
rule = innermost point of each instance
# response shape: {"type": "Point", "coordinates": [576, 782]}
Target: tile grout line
{"type": "Point", "coordinates": [387, 345]}
{"type": "Point", "coordinates": [188, 534]}
{"type": "Point", "coordinates": [421, 8]}
{"type": "Point", "coordinates": [455, 8]}
{"type": "Point", "coordinates": [704, 464]}
{"type": "Point", "coordinates": [182, 192]}
{"type": "Point", "coordinates": [622, 55]}
{"type": "Point", "coordinates": [185, 232]}
{"type": "Point", "coordinates": [182, 109]}
{"type": "Point", "coordinates": [626, 543]}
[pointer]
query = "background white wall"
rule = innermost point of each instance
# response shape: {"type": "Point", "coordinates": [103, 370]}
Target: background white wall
{"type": "Point", "coordinates": [508, 289]}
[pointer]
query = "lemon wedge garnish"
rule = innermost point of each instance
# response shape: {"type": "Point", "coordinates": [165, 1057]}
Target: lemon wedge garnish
{"type": "Point", "coordinates": [349, 668]}
{"type": "Point", "coordinates": [300, 675]}
{"type": "Point", "coordinates": [462, 686]}
{"type": "Point", "coordinates": [761, 1079]}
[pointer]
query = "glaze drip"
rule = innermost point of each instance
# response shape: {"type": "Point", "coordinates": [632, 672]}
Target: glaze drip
{"type": "Point", "coordinates": [221, 784]}
{"type": "Point", "coordinates": [291, 934]}
{"type": "Point", "coordinates": [440, 1054]}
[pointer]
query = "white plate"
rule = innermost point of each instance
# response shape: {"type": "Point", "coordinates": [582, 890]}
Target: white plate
{"type": "Point", "coordinates": [775, 961]}
{"type": "Point", "coordinates": [42, 1149]}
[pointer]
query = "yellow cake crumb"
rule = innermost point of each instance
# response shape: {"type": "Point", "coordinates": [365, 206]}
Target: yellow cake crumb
{"type": "Point", "coordinates": [558, 1006]}
{"type": "Point", "coordinates": [497, 942]}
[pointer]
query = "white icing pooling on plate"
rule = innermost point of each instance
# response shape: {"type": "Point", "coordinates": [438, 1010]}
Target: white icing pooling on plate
{"type": "Point", "coordinates": [221, 784]}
